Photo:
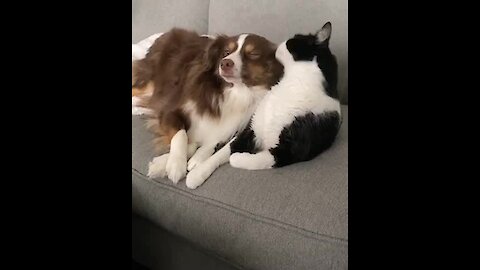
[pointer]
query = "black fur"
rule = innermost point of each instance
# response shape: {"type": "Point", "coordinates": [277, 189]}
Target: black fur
{"type": "Point", "coordinates": [306, 137]}
{"type": "Point", "coordinates": [245, 142]}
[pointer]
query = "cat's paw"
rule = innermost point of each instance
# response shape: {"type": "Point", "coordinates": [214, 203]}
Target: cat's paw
{"type": "Point", "coordinates": [157, 167]}
{"type": "Point", "coordinates": [176, 167]}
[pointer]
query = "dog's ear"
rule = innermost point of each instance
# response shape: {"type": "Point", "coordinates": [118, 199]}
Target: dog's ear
{"type": "Point", "coordinates": [213, 52]}
{"type": "Point", "coordinates": [323, 34]}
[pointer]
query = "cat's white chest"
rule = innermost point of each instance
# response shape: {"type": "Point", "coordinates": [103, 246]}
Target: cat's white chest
{"type": "Point", "coordinates": [273, 114]}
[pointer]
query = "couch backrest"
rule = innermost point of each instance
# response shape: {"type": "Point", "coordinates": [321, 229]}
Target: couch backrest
{"type": "Point", "coordinates": [276, 20]}
{"type": "Point", "coordinates": [155, 16]}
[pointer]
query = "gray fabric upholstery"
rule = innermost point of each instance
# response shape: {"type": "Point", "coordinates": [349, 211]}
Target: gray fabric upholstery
{"type": "Point", "coordinates": [153, 16]}
{"type": "Point", "coordinates": [293, 217]}
{"type": "Point", "coordinates": [280, 20]}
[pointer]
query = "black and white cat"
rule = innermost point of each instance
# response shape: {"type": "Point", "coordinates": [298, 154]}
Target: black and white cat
{"type": "Point", "coordinates": [297, 120]}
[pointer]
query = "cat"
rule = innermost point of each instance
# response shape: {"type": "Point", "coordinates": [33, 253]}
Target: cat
{"type": "Point", "coordinates": [296, 121]}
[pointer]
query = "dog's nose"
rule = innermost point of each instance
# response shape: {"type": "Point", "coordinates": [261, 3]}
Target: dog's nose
{"type": "Point", "coordinates": [226, 64]}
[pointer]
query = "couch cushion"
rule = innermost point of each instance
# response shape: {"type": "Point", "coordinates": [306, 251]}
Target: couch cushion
{"type": "Point", "coordinates": [293, 217]}
{"type": "Point", "coordinates": [280, 20]}
{"type": "Point", "coordinates": [153, 16]}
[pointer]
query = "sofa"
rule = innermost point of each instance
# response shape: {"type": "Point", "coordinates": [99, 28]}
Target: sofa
{"type": "Point", "coordinates": [295, 217]}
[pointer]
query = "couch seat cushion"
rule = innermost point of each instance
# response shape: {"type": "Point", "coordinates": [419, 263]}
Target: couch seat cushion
{"type": "Point", "coordinates": [295, 216]}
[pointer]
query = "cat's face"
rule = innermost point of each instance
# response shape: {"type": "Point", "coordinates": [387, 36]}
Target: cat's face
{"type": "Point", "coordinates": [303, 47]}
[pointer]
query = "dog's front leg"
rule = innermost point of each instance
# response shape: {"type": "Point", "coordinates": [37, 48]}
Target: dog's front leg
{"type": "Point", "coordinates": [204, 152]}
{"type": "Point", "coordinates": [202, 171]}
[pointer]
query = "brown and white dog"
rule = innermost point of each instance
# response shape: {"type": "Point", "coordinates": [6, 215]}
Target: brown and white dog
{"type": "Point", "coordinates": [201, 91]}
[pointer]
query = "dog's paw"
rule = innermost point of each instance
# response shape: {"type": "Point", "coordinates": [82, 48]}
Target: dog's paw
{"type": "Point", "coordinates": [239, 160]}
{"type": "Point", "coordinates": [176, 168]}
{"type": "Point", "coordinates": [193, 162]}
{"type": "Point", "coordinates": [157, 167]}
{"type": "Point", "coordinates": [197, 176]}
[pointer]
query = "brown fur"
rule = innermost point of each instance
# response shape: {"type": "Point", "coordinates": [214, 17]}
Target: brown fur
{"type": "Point", "coordinates": [260, 67]}
{"type": "Point", "coordinates": [182, 66]}
{"type": "Point", "coordinates": [145, 90]}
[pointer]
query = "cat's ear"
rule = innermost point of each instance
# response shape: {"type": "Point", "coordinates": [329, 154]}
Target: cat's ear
{"type": "Point", "coordinates": [323, 34]}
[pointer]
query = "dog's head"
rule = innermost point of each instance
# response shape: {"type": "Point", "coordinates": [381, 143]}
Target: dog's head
{"type": "Point", "coordinates": [245, 59]}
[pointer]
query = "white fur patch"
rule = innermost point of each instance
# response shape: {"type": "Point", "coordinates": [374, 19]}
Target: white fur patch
{"type": "Point", "coordinates": [201, 172]}
{"type": "Point", "coordinates": [200, 155]}
{"type": "Point", "coordinates": [191, 148]}
{"type": "Point", "coordinates": [156, 167]}
{"type": "Point", "coordinates": [236, 57]}
{"type": "Point", "coordinates": [176, 167]}
{"type": "Point", "coordinates": [283, 55]}
{"type": "Point", "coordinates": [259, 161]}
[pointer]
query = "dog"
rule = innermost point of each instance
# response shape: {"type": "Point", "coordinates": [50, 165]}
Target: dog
{"type": "Point", "coordinates": [200, 92]}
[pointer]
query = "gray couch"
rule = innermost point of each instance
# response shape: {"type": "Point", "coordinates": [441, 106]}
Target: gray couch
{"type": "Point", "coordinates": [294, 217]}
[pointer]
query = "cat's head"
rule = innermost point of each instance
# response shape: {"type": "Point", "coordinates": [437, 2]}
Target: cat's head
{"type": "Point", "coordinates": [312, 47]}
{"type": "Point", "coordinates": [304, 47]}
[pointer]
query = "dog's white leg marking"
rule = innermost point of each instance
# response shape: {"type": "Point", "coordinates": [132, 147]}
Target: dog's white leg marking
{"type": "Point", "coordinates": [191, 148]}
{"type": "Point", "coordinates": [203, 170]}
{"type": "Point", "coordinates": [204, 152]}
{"type": "Point", "coordinates": [177, 161]}
{"type": "Point", "coordinates": [259, 161]}
{"type": "Point", "coordinates": [158, 166]}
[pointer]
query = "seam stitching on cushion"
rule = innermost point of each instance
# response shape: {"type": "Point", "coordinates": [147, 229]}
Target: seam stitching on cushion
{"type": "Point", "coordinates": [266, 220]}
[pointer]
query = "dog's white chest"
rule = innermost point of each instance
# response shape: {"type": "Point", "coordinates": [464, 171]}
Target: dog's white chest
{"type": "Point", "coordinates": [237, 107]}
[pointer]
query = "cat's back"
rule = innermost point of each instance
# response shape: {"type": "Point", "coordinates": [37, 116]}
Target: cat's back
{"type": "Point", "coordinates": [300, 92]}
